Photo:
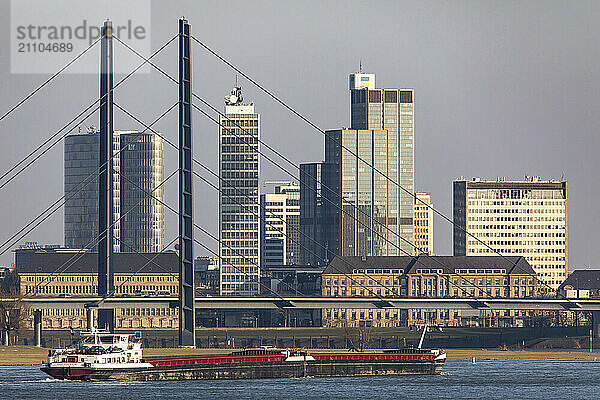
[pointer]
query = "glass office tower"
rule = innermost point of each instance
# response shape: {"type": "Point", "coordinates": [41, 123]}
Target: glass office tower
{"type": "Point", "coordinates": [359, 228]}
{"type": "Point", "coordinates": [390, 111]}
{"type": "Point", "coordinates": [139, 219]}
{"type": "Point", "coordinates": [81, 189]}
{"type": "Point", "coordinates": [142, 225]}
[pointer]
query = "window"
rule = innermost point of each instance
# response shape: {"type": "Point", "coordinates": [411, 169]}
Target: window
{"type": "Point", "coordinates": [391, 96]}
{"type": "Point", "coordinates": [374, 96]}
{"type": "Point", "coordinates": [406, 96]}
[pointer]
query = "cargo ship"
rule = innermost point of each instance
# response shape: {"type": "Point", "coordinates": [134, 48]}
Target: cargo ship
{"type": "Point", "coordinates": [103, 356]}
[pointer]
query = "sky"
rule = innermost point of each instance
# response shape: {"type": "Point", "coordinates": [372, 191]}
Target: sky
{"type": "Point", "coordinates": [502, 89]}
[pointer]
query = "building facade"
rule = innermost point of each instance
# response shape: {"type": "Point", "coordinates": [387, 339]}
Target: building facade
{"type": "Point", "coordinates": [423, 224]}
{"type": "Point", "coordinates": [280, 225]}
{"type": "Point", "coordinates": [363, 217]}
{"type": "Point", "coordinates": [470, 277]}
{"type": "Point", "coordinates": [142, 226]}
{"type": "Point", "coordinates": [390, 111]}
{"type": "Point", "coordinates": [581, 284]}
{"type": "Point", "coordinates": [359, 201]}
{"type": "Point", "coordinates": [239, 212]}
{"type": "Point", "coordinates": [364, 277]}
{"type": "Point", "coordinates": [138, 167]}
{"type": "Point", "coordinates": [38, 278]}
{"type": "Point", "coordinates": [312, 227]}
{"type": "Point", "coordinates": [81, 163]}
{"type": "Point", "coordinates": [426, 277]}
{"type": "Point", "coordinates": [526, 218]}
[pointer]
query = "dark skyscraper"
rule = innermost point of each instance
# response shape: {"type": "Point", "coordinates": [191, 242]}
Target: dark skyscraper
{"type": "Point", "coordinates": [141, 227]}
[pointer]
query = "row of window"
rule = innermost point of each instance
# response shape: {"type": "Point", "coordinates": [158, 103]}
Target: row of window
{"type": "Point", "coordinates": [538, 194]}
{"type": "Point", "coordinates": [232, 121]}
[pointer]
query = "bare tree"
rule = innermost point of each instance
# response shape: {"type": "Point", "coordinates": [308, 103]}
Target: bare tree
{"type": "Point", "coordinates": [14, 312]}
{"type": "Point", "coordinates": [358, 337]}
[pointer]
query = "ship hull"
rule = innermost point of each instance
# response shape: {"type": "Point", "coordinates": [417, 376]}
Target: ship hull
{"type": "Point", "coordinates": [257, 370]}
{"type": "Point", "coordinates": [67, 372]}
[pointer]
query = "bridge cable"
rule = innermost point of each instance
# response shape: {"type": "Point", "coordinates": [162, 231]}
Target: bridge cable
{"type": "Point", "coordinates": [50, 79]}
{"type": "Point", "coordinates": [302, 117]}
{"type": "Point", "coordinates": [196, 225]}
{"type": "Point", "coordinates": [70, 195]}
{"type": "Point", "coordinates": [354, 217]}
{"type": "Point", "coordinates": [94, 240]}
{"type": "Point", "coordinates": [289, 161]}
{"type": "Point", "coordinates": [81, 252]}
{"type": "Point", "coordinates": [206, 168]}
{"type": "Point", "coordinates": [312, 253]}
{"type": "Point", "coordinates": [272, 149]}
{"type": "Point", "coordinates": [91, 175]}
{"type": "Point", "coordinates": [69, 123]}
{"type": "Point", "coordinates": [202, 178]}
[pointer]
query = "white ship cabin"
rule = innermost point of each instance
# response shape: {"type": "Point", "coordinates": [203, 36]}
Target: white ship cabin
{"type": "Point", "coordinates": [101, 347]}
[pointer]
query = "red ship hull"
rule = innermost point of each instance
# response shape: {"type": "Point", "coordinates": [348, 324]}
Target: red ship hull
{"type": "Point", "coordinates": [261, 366]}
{"type": "Point", "coordinates": [67, 372]}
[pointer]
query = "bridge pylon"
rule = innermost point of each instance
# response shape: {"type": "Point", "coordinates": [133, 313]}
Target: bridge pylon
{"type": "Point", "coordinates": [187, 332]}
{"type": "Point", "coordinates": [106, 317]}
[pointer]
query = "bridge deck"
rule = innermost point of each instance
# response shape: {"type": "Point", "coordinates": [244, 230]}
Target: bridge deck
{"type": "Point", "coordinates": [319, 302]}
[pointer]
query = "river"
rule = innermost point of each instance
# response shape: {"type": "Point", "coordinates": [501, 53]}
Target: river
{"type": "Point", "coordinates": [555, 379]}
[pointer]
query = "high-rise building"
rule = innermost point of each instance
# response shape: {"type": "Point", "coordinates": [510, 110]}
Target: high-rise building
{"type": "Point", "coordinates": [423, 224]}
{"type": "Point", "coordinates": [239, 212]}
{"type": "Point", "coordinates": [141, 227]}
{"type": "Point", "coordinates": [514, 218]}
{"type": "Point", "coordinates": [280, 226]}
{"type": "Point", "coordinates": [313, 229]}
{"type": "Point", "coordinates": [368, 224]}
{"type": "Point", "coordinates": [363, 170]}
{"type": "Point", "coordinates": [81, 189]}
{"type": "Point", "coordinates": [392, 111]}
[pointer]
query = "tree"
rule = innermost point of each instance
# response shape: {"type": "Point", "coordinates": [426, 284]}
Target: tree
{"type": "Point", "coordinates": [14, 312]}
{"type": "Point", "coordinates": [358, 337]}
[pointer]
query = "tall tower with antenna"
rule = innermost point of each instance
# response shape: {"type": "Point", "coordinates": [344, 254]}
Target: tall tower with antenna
{"type": "Point", "coordinates": [239, 226]}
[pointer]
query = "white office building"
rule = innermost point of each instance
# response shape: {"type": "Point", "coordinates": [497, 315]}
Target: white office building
{"type": "Point", "coordinates": [423, 224]}
{"type": "Point", "coordinates": [514, 218]}
{"type": "Point", "coordinates": [239, 212]}
{"type": "Point", "coordinates": [280, 225]}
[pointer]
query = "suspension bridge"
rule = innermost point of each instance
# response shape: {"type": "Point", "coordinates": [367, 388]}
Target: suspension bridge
{"type": "Point", "coordinates": [186, 302]}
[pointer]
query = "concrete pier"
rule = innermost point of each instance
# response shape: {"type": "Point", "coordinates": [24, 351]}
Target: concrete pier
{"type": "Point", "coordinates": [37, 327]}
{"type": "Point", "coordinates": [596, 323]}
{"type": "Point", "coordinates": [89, 313]}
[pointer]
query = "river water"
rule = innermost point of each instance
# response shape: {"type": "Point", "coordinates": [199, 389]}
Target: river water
{"type": "Point", "coordinates": [555, 379]}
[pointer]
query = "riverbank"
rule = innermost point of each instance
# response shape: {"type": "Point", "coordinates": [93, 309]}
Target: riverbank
{"type": "Point", "coordinates": [30, 355]}
{"type": "Point", "coordinates": [539, 338]}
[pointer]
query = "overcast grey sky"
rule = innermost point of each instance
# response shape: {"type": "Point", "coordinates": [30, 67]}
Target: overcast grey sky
{"type": "Point", "coordinates": [505, 88]}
